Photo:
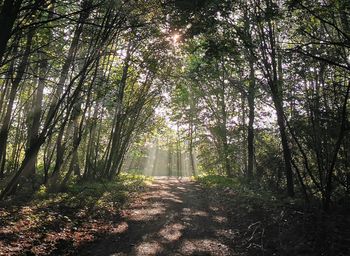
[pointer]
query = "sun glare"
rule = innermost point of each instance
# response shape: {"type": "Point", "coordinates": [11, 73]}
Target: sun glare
{"type": "Point", "coordinates": [175, 37]}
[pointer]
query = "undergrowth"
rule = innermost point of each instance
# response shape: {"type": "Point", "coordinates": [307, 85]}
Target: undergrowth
{"type": "Point", "coordinates": [58, 223]}
{"type": "Point", "coordinates": [98, 194]}
{"type": "Point", "coordinates": [275, 224]}
{"type": "Point", "coordinates": [250, 193]}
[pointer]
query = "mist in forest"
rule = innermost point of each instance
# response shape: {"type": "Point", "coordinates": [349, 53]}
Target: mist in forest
{"type": "Point", "coordinates": [160, 161]}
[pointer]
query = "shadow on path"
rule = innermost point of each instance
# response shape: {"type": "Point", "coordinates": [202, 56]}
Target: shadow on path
{"type": "Point", "coordinates": [173, 217]}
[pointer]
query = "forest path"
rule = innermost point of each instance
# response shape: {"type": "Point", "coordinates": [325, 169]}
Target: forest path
{"type": "Point", "coordinates": [172, 217]}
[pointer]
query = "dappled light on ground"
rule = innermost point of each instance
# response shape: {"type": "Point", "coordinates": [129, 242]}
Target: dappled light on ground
{"type": "Point", "coordinates": [148, 248]}
{"type": "Point", "coordinates": [167, 217]}
{"type": "Point", "coordinates": [172, 232]}
{"type": "Point", "coordinates": [220, 219]}
{"type": "Point", "coordinates": [146, 213]}
{"type": "Point", "coordinates": [174, 217]}
{"type": "Point", "coordinates": [59, 224]}
{"type": "Point", "coordinates": [204, 247]}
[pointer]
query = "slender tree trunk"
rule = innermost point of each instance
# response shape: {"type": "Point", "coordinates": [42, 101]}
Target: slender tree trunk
{"type": "Point", "coordinates": [8, 14]}
{"type": "Point", "coordinates": [285, 146]}
{"type": "Point", "coordinates": [47, 129]}
{"type": "Point", "coordinates": [170, 160]}
{"type": "Point", "coordinates": [4, 130]}
{"type": "Point", "coordinates": [33, 130]}
{"type": "Point", "coordinates": [60, 147]}
{"type": "Point", "coordinates": [223, 135]}
{"type": "Point", "coordinates": [48, 155]}
{"type": "Point", "coordinates": [4, 91]}
{"type": "Point", "coordinates": [243, 138]}
{"type": "Point", "coordinates": [35, 117]}
{"type": "Point", "coordinates": [191, 153]}
{"type": "Point", "coordinates": [191, 131]}
{"type": "Point", "coordinates": [178, 159]}
{"type": "Point", "coordinates": [91, 147]}
{"type": "Point", "coordinates": [273, 72]}
{"type": "Point", "coordinates": [278, 102]}
{"type": "Point", "coordinates": [16, 145]}
{"type": "Point", "coordinates": [115, 135]}
{"type": "Point", "coordinates": [341, 134]}
{"type": "Point", "coordinates": [251, 116]}
{"type": "Point", "coordinates": [26, 164]}
{"type": "Point", "coordinates": [155, 160]}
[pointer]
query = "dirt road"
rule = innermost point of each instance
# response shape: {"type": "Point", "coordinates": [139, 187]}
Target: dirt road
{"type": "Point", "coordinates": [173, 217]}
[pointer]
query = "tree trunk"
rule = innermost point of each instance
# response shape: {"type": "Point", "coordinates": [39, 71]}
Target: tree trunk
{"type": "Point", "coordinates": [60, 148]}
{"type": "Point", "coordinates": [251, 116]}
{"type": "Point", "coordinates": [273, 73]}
{"type": "Point", "coordinates": [33, 129]}
{"type": "Point", "coordinates": [223, 131]}
{"type": "Point", "coordinates": [115, 135]}
{"type": "Point", "coordinates": [9, 11]}
{"type": "Point", "coordinates": [26, 164]}
{"type": "Point", "coordinates": [190, 149]}
{"type": "Point", "coordinates": [34, 124]}
{"type": "Point", "coordinates": [4, 131]}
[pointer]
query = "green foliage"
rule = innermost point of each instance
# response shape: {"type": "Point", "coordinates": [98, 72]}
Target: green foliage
{"type": "Point", "coordinates": [249, 195]}
{"type": "Point", "coordinates": [217, 181]}
{"type": "Point", "coordinates": [42, 191]}
{"type": "Point", "coordinates": [98, 195]}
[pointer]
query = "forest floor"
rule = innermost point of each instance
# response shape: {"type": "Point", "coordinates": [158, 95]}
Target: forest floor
{"type": "Point", "coordinates": [173, 216]}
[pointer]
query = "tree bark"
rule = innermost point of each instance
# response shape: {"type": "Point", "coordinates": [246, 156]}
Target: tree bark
{"type": "Point", "coordinates": [9, 12]}
{"type": "Point", "coordinates": [251, 116]}
{"type": "Point", "coordinates": [4, 130]}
